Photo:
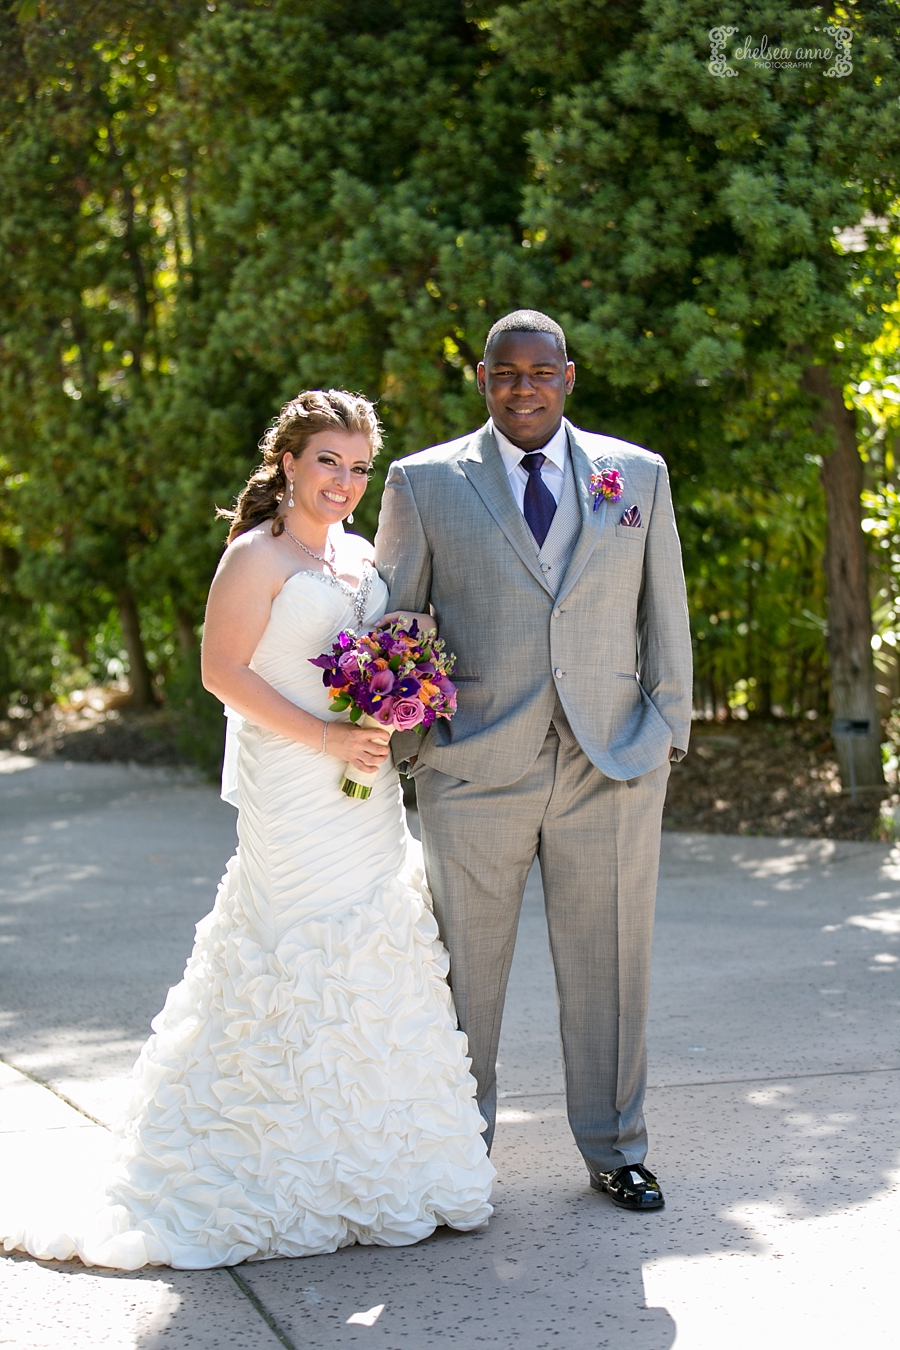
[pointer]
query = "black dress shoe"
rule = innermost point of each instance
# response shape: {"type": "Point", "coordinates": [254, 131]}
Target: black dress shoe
{"type": "Point", "coordinates": [631, 1187]}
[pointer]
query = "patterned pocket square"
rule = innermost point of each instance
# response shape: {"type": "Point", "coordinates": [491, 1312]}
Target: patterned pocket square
{"type": "Point", "coordinates": [632, 517]}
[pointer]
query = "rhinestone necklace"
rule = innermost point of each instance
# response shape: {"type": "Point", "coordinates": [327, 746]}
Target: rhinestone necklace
{"type": "Point", "coordinates": [329, 563]}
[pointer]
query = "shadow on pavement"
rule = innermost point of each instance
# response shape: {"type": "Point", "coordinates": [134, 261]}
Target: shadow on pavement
{"type": "Point", "coordinates": [774, 1071]}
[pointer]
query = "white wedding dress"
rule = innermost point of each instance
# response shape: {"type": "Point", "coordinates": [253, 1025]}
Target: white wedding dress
{"type": "Point", "coordinates": [305, 1086]}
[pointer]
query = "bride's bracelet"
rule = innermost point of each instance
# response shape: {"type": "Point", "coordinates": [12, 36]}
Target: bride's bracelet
{"type": "Point", "coordinates": [324, 734]}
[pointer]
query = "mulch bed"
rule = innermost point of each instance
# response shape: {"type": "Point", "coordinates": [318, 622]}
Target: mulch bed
{"type": "Point", "coordinates": [775, 778]}
{"type": "Point", "coordinates": [122, 735]}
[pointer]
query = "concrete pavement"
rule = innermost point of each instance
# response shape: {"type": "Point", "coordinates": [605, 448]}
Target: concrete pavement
{"type": "Point", "coordinates": [775, 1082]}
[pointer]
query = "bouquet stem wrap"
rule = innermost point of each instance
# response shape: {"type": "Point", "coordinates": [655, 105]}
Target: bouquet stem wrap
{"type": "Point", "coordinates": [355, 783]}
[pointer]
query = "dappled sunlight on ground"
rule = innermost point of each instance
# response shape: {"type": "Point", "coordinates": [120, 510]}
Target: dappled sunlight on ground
{"type": "Point", "coordinates": [823, 1281]}
{"type": "Point", "coordinates": [775, 1085]}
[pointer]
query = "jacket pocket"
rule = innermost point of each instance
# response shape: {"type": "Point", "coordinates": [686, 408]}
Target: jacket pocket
{"type": "Point", "coordinates": [634, 533]}
{"type": "Point", "coordinates": [466, 679]}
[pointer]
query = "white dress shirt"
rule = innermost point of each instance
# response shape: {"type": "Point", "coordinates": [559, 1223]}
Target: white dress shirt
{"type": "Point", "coordinates": [553, 470]}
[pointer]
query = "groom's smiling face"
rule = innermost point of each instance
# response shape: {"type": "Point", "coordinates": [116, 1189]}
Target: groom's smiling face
{"type": "Point", "coordinates": [525, 379]}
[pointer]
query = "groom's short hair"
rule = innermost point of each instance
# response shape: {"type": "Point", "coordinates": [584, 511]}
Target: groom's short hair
{"type": "Point", "coordinates": [527, 321]}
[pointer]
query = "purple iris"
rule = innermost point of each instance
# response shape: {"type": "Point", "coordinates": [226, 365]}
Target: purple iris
{"type": "Point", "coordinates": [408, 687]}
{"type": "Point", "coordinates": [332, 675]}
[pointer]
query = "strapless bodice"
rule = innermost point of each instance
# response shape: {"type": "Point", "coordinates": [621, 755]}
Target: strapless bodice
{"type": "Point", "coordinates": [307, 614]}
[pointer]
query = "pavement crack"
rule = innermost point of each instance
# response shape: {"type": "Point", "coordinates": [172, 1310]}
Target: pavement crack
{"type": "Point", "coordinates": [56, 1093]}
{"type": "Point", "coordinates": [260, 1308]}
{"type": "Point", "coordinates": [776, 1077]}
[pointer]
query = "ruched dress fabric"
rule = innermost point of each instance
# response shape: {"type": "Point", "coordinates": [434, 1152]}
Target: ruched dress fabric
{"type": "Point", "coordinates": [306, 1086]}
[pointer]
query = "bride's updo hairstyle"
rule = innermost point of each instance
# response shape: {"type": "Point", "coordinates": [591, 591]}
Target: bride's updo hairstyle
{"type": "Point", "coordinates": [313, 410]}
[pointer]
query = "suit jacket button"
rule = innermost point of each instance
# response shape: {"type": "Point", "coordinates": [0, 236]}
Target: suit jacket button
{"type": "Point", "coordinates": [559, 673]}
{"type": "Point", "coordinates": [556, 613]}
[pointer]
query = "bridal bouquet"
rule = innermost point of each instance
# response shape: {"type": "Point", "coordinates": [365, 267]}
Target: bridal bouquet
{"type": "Point", "coordinates": [392, 677]}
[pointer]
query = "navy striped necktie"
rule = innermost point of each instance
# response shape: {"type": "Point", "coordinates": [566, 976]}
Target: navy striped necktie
{"type": "Point", "coordinates": [540, 504]}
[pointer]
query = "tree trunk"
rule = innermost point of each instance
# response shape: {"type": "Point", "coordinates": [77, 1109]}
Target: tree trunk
{"type": "Point", "coordinates": [187, 638]}
{"type": "Point", "coordinates": [849, 639]}
{"type": "Point", "coordinates": [139, 677]}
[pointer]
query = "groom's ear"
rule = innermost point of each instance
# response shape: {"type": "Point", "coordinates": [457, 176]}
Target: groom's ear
{"type": "Point", "coordinates": [479, 376]}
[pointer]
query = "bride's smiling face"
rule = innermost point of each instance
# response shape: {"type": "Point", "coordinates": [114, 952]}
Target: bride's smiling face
{"type": "Point", "coordinates": [330, 475]}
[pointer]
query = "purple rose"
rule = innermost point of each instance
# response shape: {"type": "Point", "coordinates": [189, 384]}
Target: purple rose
{"type": "Point", "coordinates": [349, 665]}
{"type": "Point", "coordinates": [408, 713]}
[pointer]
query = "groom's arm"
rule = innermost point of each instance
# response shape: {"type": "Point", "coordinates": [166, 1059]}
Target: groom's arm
{"type": "Point", "coordinates": [402, 554]}
{"type": "Point", "coordinates": [664, 633]}
{"type": "Point", "coordinates": [403, 560]}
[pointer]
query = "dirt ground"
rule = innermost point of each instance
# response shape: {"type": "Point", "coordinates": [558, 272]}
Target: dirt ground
{"type": "Point", "coordinates": [117, 736]}
{"type": "Point", "coordinates": [775, 778]}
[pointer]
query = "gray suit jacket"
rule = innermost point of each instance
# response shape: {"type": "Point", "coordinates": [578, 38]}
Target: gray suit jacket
{"type": "Point", "coordinates": [612, 640]}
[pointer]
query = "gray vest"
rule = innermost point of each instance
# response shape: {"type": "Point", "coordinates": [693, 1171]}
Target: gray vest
{"type": "Point", "coordinates": [565, 528]}
{"type": "Point", "coordinates": [554, 557]}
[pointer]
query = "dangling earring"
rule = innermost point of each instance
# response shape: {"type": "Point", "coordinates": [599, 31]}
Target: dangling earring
{"type": "Point", "coordinates": [350, 518]}
{"type": "Point", "coordinates": [291, 493]}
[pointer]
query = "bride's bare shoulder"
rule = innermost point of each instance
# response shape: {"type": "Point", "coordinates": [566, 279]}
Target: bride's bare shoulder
{"type": "Point", "coordinates": [357, 548]}
{"type": "Point", "coordinates": [254, 556]}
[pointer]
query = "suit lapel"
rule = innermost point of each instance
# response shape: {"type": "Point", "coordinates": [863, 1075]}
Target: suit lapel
{"type": "Point", "coordinates": [483, 465]}
{"type": "Point", "coordinates": [592, 522]}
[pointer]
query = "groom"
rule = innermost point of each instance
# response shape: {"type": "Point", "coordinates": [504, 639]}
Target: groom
{"type": "Point", "coordinates": [550, 559]}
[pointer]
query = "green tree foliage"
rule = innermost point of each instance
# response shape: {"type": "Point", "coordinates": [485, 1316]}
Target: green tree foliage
{"type": "Point", "coordinates": [704, 228]}
{"type": "Point", "coordinates": [757, 596]}
{"type": "Point", "coordinates": [204, 207]}
{"type": "Point", "coordinates": [359, 170]}
{"type": "Point", "coordinates": [877, 398]}
{"type": "Point", "coordinates": [86, 302]}
{"type": "Point", "coordinates": [204, 210]}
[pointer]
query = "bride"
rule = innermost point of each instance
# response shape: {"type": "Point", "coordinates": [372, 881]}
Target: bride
{"type": "Point", "coordinates": [305, 1086]}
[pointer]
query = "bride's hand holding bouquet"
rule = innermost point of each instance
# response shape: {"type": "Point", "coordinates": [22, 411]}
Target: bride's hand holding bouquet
{"type": "Point", "coordinates": [395, 678]}
{"type": "Point", "coordinates": [364, 748]}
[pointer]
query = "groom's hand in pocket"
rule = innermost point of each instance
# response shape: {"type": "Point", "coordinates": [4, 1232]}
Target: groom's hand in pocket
{"type": "Point", "coordinates": [366, 748]}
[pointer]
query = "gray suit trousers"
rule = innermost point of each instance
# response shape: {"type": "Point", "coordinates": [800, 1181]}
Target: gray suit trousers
{"type": "Point", "coordinates": [597, 840]}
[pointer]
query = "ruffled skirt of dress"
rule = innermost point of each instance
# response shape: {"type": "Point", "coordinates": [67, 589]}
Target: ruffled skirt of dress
{"type": "Point", "coordinates": [306, 1086]}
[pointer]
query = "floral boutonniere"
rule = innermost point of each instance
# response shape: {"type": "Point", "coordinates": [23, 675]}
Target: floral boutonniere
{"type": "Point", "coordinates": [609, 484]}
